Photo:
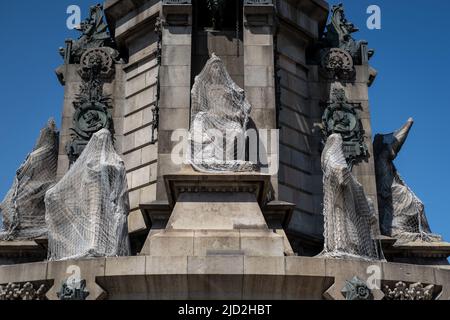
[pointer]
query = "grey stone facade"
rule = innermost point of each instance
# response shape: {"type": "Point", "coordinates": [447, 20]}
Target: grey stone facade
{"type": "Point", "coordinates": [207, 236]}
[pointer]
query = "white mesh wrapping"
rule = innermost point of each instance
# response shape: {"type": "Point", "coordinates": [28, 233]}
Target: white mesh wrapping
{"type": "Point", "coordinates": [219, 118]}
{"type": "Point", "coordinates": [402, 213]}
{"type": "Point", "coordinates": [349, 216]}
{"type": "Point", "coordinates": [23, 209]}
{"type": "Point", "coordinates": [87, 210]}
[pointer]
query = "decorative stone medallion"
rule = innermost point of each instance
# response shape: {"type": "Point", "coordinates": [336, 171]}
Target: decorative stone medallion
{"type": "Point", "coordinates": [356, 289]}
{"type": "Point", "coordinates": [97, 61]}
{"type": "Point", "coordinates": [341, 117]}
{"type": "Point", "coordinates": [73, 291]}
{"type": "Point", "coordinates": [337, 64]}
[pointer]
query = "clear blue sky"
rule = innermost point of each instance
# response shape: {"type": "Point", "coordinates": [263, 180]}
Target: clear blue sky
{"type": "Point", "coordinates": [412, 53]}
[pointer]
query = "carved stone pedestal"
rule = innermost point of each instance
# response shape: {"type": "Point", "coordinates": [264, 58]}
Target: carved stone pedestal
{"type": "Point", "coordinates": [14, 252]}
{"type": "Point", "coordinates": [217, 214]}
{"type": "Point", "coordinates": [418, 252]}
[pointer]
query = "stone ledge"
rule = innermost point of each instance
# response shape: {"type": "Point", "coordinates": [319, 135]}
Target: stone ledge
{"type": "Point", "coordinates": [221, 276]}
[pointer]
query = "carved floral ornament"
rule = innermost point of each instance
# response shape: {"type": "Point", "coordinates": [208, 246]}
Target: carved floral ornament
{"type": "Point", "coordinates": [27, 291]}
{"type": "Point", "coordinates": [337, 64]}
{"type": "Point", "coordinates": [73, 291]}
{"type": "Point", "coordinates": [402, 291]}
{"type": "Point", "coordinates": [356, 289]}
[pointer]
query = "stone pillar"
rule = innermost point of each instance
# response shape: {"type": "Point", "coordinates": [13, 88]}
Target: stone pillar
{"type": "Point", "coordinates": [175, 83]}
{"type": "Point", "coordinates": [259, 70]}
{"type": "Point", "coordinates": [71, 80]}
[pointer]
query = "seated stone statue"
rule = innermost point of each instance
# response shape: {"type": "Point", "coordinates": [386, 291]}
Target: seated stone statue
{"type": "Point", "coordinates": [402, 214]}
{"type": "Point", "coordinates": [87, 210]}
{"type": "Point", "coordinates": [219, 117]}
{"type": "Point", "coordinates": [348, 213]}
{"type": "Point", "coordinates": [23, 209]}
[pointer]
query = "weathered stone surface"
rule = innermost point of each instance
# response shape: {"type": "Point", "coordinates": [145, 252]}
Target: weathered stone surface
{"type": "Point", "coordinates": [217, 211]}
{"type": "Point", "coordinates": [23, 209]}
{"type": "Point", "coordinates": [86, 212]}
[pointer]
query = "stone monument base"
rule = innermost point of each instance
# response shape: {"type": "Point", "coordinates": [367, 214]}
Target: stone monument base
{"type": "Point", "coordinates": [14, 252]}
{"type": "Point", "coordinates": [218, 214]}
{"type": "Point", "coordinates": [417, 252]}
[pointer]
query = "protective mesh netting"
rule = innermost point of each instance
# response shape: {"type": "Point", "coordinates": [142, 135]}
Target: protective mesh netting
{"type": "Point", "coordinates": [350, 222]}
{"type": "Point", "coordinates": [408, 220]}
{"type": "Point", "coordinates": [23, 209]}
{"type": "Point", "coordinates": [87, 210]}
{"type": "Point", "coordinates": [401, 211]}
{"type": "Point", "coordinates": [219, 118]}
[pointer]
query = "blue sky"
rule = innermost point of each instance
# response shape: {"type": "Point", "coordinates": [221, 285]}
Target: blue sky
{"type": "Point", "coordinates": [412, 52]}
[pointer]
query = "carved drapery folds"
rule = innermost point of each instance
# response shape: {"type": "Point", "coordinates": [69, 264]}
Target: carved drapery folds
{"type": "Point", "coordinates": [341, 117]}
{"type": "Point", "coordinates": [27, 292]}
{"type": "Point", "coordinates": [220, 114]}
{"type": "Point", "coordinates": [402, 214]}
{"type": "Point", "coordinates": [96, 56]}
{"type": "Point", "coordinates": [350, 221]}
{"type": "Point", "coordinates": [402, 291]}
{"type": "Point", "coordinates": [23, 209]}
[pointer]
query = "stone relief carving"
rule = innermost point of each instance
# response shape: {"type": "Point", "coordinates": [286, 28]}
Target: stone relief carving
{"type": "Point", "coordinates": [337, 64]}
{"type": "Point", "coordinates": [401, 291]}
{"type": "Point", "coordinates": [155, 110]}
{"type": "Point", "coordinates": [27, 291]}
{"type": "Point", "coordinates": [92, 107]}
{"type": "Point", "coordinates": [23, 209]}
{"type": "Point", "coordinates": [356, 289]}
{"type": "Point", "coordinates": [350, 221]}
{"type": "Point", "coordinates": [402, 214]}
{"type": "Point", "coordinates": [87, 211]}
{"type": "Point", "coordinates": [341, 117]}
{"type": "Point", "coordinates": [338, 52]}
{"type": "Point", "coordinates": [75, 291]}
{"type": "Point", "coordinates": [339, 34]}
{"type": "Point", "coordinates": [94, 34]}
{"type": "Point", "coordinates": [219, 117]}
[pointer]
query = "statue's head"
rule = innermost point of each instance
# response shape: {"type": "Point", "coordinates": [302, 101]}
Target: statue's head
{"type": "Point", "coordinates": [48, 135]}
{"type": "Point", "coordinates": [390, 144]}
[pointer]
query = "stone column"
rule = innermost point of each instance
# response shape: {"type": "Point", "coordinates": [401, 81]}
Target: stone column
{"type": "Point", "coordinates": [175, 83]}
{"type": "Point", "coordinates": [259, 77]}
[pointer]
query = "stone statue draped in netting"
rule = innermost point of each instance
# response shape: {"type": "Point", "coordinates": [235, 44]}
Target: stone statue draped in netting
{"type": "Point", "coordinates": [23, 209]}
{"type": "Point", "coordinates": [349, 216]}
{"type": "Point", "coordinates": [87, 210]}
{"type": "Point", "coordinates": [402, 214]}
{"type": "Point", "coordinates": [219, 117]}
